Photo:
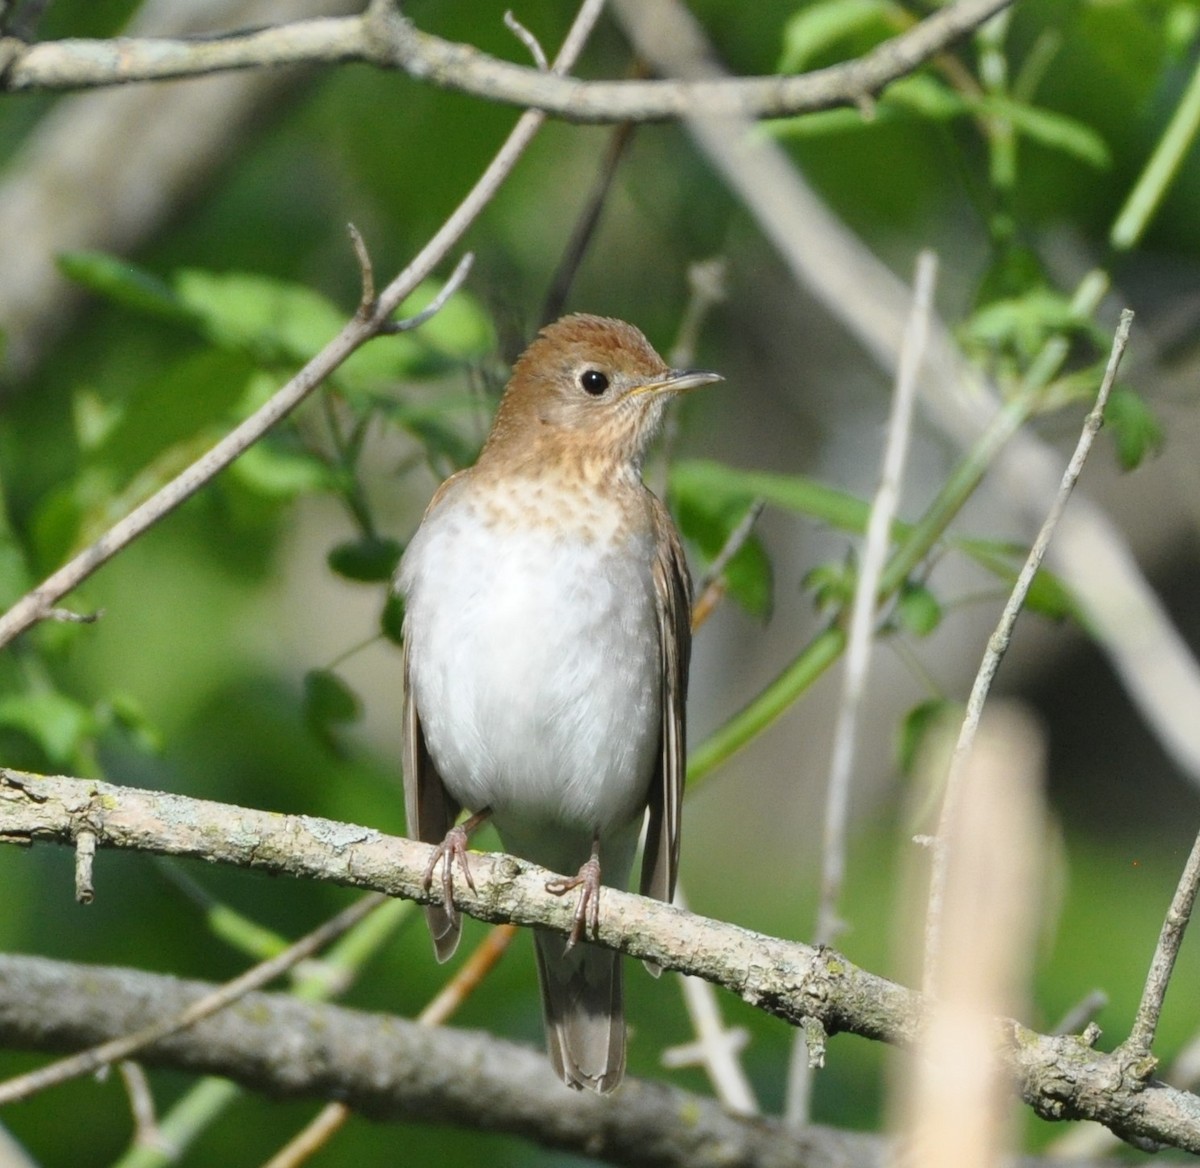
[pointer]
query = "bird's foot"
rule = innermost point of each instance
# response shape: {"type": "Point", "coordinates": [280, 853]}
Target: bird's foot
{"type": "Point", "coordinates": [452, 849]}
{"type": "Point", "coordinates": [587, 910]}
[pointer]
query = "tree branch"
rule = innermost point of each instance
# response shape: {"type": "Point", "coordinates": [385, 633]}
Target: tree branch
{"type": "Point", "coordinates": [386, 39]}
{"type": "Point", "coordinates": [1061, 1077]}
{"type": "Point", "coordinates": [380, 1066]}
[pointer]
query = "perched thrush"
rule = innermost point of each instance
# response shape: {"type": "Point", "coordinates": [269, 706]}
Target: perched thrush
{"type": "Point", "coordinates": [546, 646]}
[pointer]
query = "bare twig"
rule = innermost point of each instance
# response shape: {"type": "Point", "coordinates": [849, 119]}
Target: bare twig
{"type": "Point", "coordinates": [366, 270]}
{"type": "Point", "coordinates": [385, 38]}
{"type": "Point", "coordinates": [1082, 1013]}
{"type": "Point", "coordinates": [74, 618]}
{"type": "Point", "coordinates": [876, 544]}
{"type": "Point", "coordinates": [717, 1048]}
{"type": "Point", "coordinates": [706, 285]}
{"type": "Point", "coordinates": [998, 646]}
{"type": "Point", "coordinates": [712, 583]}
{"type": "Point", "coordinates": [1145, 1023]}
{"type": "Point", "coordinates": [357, 331]}
{"type": "Point", "coordinates": [452, 285]}
{"type": "Point", "coordinates": [85, 855]}
{"type": "Point", "coordinates": [587, 222]}
{"type": "Point", "coordinates": [875, 548]}
{"type": "Point", "coordinates": [84, 1063]}
{"type": "Point", "coordinates": [146, 1133]}
{"type": "Point", "coordinates": [528, 40]}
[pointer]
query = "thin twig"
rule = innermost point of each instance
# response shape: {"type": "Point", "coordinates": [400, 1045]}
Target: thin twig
{"type": "Point", "coordinates": [528, 40]}
{"type": "Point", "coordinates": [717, 1047]}
{"type": "Point", "coordinates": [584, 230]}
{"type": "Point", "coordinates": [85, 855]}
{"type": "Point", "coordinates": [996, 648]}
{"type": "Point", "coordinates": [366, 269]}
{"type": "Point", "coordinates": [318, 1132]}
{"type": "Point", "coordinates": [875, 547]}
{"type": "Point", "coordinates": [359, 329]}
{"type": "Point", "coordinates": [712, 583]}
{"type": "Point", "coordinates": [452, 285]}
{"type": "Point", "coordinates": [1145, 1023]}
{"type": "Point", "coordinates": [88, 1061]}
{"type": "Point", "coordinates": [873, 557]}
{"type": "Point", "coordinates": [706, 288]}
{"type": "Point", "coordinates": [1082, 1013]}
{"type": "Point", "coordinates": [146, 1133]}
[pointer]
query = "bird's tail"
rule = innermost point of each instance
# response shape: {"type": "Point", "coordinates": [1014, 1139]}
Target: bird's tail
{"type": "Point", "coordinates": [582, 1004]}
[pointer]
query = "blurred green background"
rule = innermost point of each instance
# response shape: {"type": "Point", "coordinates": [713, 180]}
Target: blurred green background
{"type": "Point", "coordinates": [228, 663]}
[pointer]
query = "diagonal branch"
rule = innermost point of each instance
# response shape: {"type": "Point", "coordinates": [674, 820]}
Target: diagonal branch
{"type": "Point", "coordinates": [1060, 1077]}
{"type": "Point", "coordinates": [385, 38]}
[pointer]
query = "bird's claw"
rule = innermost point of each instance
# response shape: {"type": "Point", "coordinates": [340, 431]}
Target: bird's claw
{"type": "Point", "coordinates": [452, 848]}
{"type": "Point", "coordinates": [587, 910]}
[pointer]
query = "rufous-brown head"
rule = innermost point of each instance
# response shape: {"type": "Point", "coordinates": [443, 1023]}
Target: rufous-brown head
{"type": "Point", "coordinates": [587, 385]}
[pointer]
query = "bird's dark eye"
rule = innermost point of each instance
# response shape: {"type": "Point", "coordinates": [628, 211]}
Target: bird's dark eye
{"type": "Point", "coordinates": [593, 382]}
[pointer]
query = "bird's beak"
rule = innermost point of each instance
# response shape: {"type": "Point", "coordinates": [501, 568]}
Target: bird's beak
{"type": "Point", "coordinates": [680, 381]}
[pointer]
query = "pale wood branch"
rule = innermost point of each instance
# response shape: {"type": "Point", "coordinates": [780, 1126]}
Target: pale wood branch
{"type": "Point", "coordinates": [383, 37]}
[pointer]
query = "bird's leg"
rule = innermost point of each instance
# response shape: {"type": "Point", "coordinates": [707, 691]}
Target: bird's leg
{"type": "Point", "coordinates": [587, 911]}
{"type": "Point", "coordinates": [452, 848]}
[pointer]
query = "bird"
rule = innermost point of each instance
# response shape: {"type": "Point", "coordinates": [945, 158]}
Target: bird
{"type": "Point", "coordinates": [546, 645]}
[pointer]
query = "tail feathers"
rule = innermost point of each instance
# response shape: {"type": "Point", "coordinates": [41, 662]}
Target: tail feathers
{"type": "Point", "coordinates": [582, 1004]}
{"type": "Point", "coordinates": [445, 929]}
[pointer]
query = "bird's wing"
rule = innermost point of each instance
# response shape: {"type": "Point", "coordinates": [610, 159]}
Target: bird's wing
{"type": "Point", "coordinates": [660, 864]}
{"type": "Point", "coordinates": [429, 809]}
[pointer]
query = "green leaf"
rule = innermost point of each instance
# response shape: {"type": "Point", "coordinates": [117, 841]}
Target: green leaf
{"type": "Point", "coordinates": [919, 96]}
{"type": "Point", "coordinates": [832, 586]}
{"type": "Point", "coordinates": [273, 472]}
{"type": "Point", "coordinates": [708, 518]}
{"type": "Point", "coordinates": [460, 329]}
{"type": "Point", "coordinates": [329, 703]}
{"type": "Point", "coordinates": [1051, 129]}
{"type": "Point", "coordinates": [187, 400]}
{"type": "Point", "coordinates": [921, 727]}
{"type": "Point", "coordinates": [1020, 324]}
{"type": "Point", "coordinates": [1135, 430]}
{"type": "Point", "coordinates": [272, 320]}
{"type": "Point", "coordinates": [15, 578]}
{"type": "Point", "coordinates": [125, 284]}
{"type": "Point", "coordinates": [391, 622]}
{"type": "Point", "coordinates": [928, 97]}
{"type": "Point", "coordinates": [819, 27]}
{"type": "Point", "coordinates": [57, 723]}
{"type": "Point", "coordinates": [278, 322]}
{"type": "Point", "coordinates": [1048, 595]}
{"type": "Point", "coordinates": [440, 439]}
{"type": "Point", "coordinates": [369, 559]}
{"type": "Point", "coordinates": [917, 609]}
{"type": "Point", "coordinates": [723, 485]}
{"type": "Point", "coordinates": [130, 715]}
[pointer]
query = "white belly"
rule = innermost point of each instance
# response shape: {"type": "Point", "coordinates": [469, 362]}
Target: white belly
{"type": "Point", "coordinates": [534, 660]}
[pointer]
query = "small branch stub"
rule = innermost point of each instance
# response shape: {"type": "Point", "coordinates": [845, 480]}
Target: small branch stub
{"type": "Point", "coordinates": [85, 854]}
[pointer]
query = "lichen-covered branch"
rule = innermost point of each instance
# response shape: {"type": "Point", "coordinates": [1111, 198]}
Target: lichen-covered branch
{"type": "Point", "coordinates": [1061, 1077]}
{"type": "Point", "coordinates": [383, 37]}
